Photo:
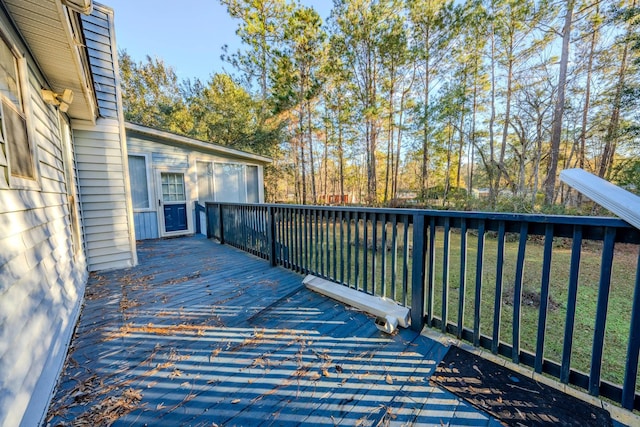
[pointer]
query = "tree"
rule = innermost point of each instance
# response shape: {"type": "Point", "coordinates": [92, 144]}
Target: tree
{"type": "Point", "coordinates": [613, 127]}
{"type": "Point", "coordinates": [430, 35]}
{"type": "Point", "coordinates": [261, 30]}
{"type": "Point", "coordinates": [152, 95]}
{"type": "Point", "coordinates": [223, 113]}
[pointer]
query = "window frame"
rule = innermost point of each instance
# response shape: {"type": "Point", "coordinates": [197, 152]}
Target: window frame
{"type": "Point", "coordinates": [22, 80]}
{"type": "Point", "coordinates": [150, 197]}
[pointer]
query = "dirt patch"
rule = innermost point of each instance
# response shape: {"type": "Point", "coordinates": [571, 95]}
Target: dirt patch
{"type": "Point", "coordinates": [529, 299]}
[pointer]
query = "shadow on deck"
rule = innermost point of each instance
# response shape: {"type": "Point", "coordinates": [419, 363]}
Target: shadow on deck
{"type": "Point", "coordinates": [203, 334]}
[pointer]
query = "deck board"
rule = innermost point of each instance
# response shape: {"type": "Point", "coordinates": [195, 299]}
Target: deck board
{"type": "Point", "coordinates": [205, 334]}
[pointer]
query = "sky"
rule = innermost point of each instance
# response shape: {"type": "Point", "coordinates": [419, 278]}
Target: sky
{"type": "Point", "coordinates": [187, 34]}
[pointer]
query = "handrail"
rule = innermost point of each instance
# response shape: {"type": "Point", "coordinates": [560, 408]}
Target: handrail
{"type": "Point", "coordinates": [465, 273]}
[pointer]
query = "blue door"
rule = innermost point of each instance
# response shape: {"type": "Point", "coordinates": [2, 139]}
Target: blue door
{"type": "Point", "coordinates": [175, 217]}
{"type": "Point", "coordinates": [174, 202]}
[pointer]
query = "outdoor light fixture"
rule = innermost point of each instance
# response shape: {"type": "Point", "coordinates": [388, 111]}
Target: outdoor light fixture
{"type": "Point", "coordinates": [81, 6]}
{"type": "Point", "coordinates": [57, 100]}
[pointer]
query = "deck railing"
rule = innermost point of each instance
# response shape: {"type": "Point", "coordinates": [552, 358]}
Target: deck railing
{"type": "Point", "coordinates": [535, 289]}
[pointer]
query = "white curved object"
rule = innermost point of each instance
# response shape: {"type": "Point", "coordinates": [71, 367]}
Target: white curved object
{"type": "Point", "coordinates": [621, 202]}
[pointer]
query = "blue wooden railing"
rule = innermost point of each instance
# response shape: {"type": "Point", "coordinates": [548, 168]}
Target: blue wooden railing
{"type": "Point", "coordinates": [470, 274]}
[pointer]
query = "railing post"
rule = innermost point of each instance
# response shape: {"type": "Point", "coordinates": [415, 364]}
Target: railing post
{"type": "Point", "coordinates": [208, 211]}
{"type": "Point", "coordinates": [418, 272]}
{"type": "Point", "coordinates": [271, 235]}
{"type": "Point", "coordinates": [220, 223]}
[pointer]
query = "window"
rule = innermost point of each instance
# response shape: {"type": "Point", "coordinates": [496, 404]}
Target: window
{"type": "Point", "coordinates": [205, 182]}
{"type": "Point", "coordinates": [139, 182]}
{"type": "Point", "coordinates": [253, 194]}
{"type": "Point", "coordinates": [16, 151]}
{"type": "Point", "coordinates": [230, 183]}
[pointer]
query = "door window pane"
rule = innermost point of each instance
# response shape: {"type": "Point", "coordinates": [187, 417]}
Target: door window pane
{"type": "Point", "coordinates": [173, 187]}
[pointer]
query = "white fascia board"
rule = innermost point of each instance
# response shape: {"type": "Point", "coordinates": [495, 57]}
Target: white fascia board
{"type": "Point", "coordinates": [621, 202]}
{"type": "Point", "coordinates": [379, 307]}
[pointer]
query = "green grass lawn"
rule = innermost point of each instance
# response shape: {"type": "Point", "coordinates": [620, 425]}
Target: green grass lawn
{"type": "Point", "coordinates": [322, 248]}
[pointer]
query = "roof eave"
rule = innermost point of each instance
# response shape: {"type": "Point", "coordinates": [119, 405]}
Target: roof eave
{"type": "Point", "coordinates": [58, 50]}
{"type": "Point", "coordinates": [194, 143]}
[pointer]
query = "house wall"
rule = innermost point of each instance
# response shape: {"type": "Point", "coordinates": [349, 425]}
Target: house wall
{"type": "Point", "coordinates": [42, 267]}
{"type": "Point", "coordinates": [174, 157]}
{"type": "Point", "coordinates": [101, 156]}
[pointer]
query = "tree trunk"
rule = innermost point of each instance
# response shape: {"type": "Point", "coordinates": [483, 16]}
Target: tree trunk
{"type": "Point", "coordinates": [390, 134]}
{"type": "Point", "coordinates": [426, 136]}
{"type": "Point", "coordinates": [556, 129]}
{"type": "Point", "coordinates": [492, 121]}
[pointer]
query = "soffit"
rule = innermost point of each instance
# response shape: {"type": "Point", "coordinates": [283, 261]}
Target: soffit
{"type": "Point", "coordinates": [55, 40]}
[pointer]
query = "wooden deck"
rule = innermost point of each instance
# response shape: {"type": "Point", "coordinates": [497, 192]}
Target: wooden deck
{"type": "Point", "coordinates": [202, 334]}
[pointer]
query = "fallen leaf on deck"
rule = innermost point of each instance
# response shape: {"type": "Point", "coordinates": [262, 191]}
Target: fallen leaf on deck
{"type": "Point", "coordinates": [388, 379]}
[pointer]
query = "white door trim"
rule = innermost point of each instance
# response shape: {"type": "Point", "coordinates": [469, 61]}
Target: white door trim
{"type": "Point", "coordinates": [160, 202]}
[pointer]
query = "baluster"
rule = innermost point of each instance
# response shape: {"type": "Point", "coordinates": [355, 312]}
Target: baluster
{"type": "Point", "coordinates": [365, 252]}
{"type": "Point", "coordinates": [633, 348]}
{"type": "Point", "coordinates": [418, 272]}
{"type": "Point", "coordinates": [517, 291]}
{"type": "Point", "coordinates": [601, 310]}
{"type": "Point", "coordinates": [463, 276]}
{"type": "Point", "coordinates": [342, 213]}
{"type": "Point", "coordinates": [544, 297]}
{"type": "Point", "coordinates": [374, 251]}
{"type": "Point", "coordinates": [357, 250]}
{"type": "Point", "coordinates": [431, 275]}
{"type": "Point", "coordinates": [497, 306]}
{"type": "Point", "coordinates": [478, 294]}
{"type": "Point", "coordinates": [394, 256]}
{"type": "Point", "coordinates": [405, 261]}
{"type": "Point", "coordinates": [349, 263]}
{"type": "Point", "coordinates": [576, 251]}
{"type": "Point", "coordinates": [383, 260]}
{"type": "Point", "coordinates": [445, 272]}
{"type": "Point", "coordinates": [334, 248]}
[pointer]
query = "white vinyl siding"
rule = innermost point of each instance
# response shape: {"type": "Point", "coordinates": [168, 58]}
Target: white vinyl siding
{"type": "Point", "coordinates": [97, 30]}
{"type": "Point", "coordinates": [103, 194]}
{"type": "Point", "coordinates": [42, 276]}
